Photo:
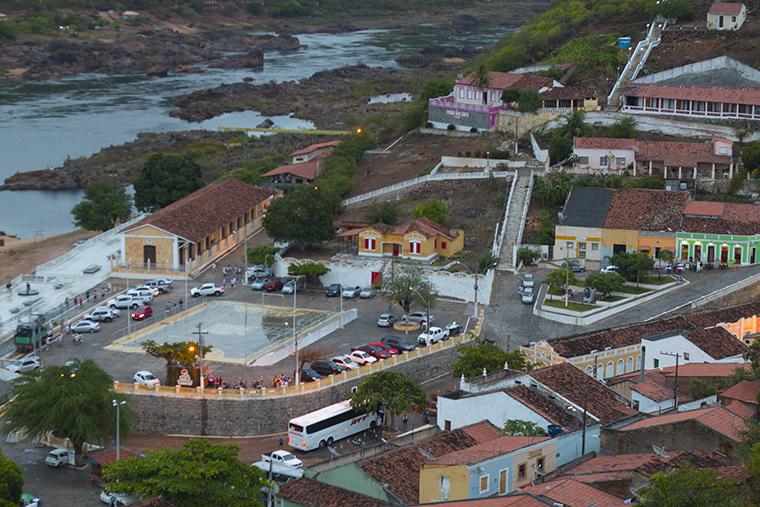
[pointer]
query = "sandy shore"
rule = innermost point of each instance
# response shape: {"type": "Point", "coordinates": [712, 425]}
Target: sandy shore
{"type": "Point", "coordinates": [22, 256]}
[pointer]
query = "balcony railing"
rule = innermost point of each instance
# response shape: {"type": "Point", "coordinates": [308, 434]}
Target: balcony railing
{"type": "Point", "coordinates": [449, 102]}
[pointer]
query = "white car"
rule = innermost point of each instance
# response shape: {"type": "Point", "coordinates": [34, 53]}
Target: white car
{"type": "Point", "coordinates": [421, 317]}
{"type": "Point", "coordinates": [433, 335]}
{"type": "Point", "coordinates": [153, 290]}
{"type": "Point", "coordinates": [114, 311]}
{"type": "Point", "coordinates": [207, 289]}
{"type": "Point", "coordinates": [116, 498]}
{"type": "Point", "coordinates": [163, 285]}
{"type": "Point", "coordinates": [386, 320]}
{"type": "Point", "coordinates": [351, 292]}
{"type": "Point", "coordinates": [283, 457]}
{"type": "Point", "coordinates": [100, 314]}
{"type": "Point", "coordinates": [528, 281]}
{"type": "Point", "coordinates": [527, 295]}
{"type": "Point", "coordinates": [58, 458]}
{"type": "Point", "coordinates": [367, 292]}
{"type": "Point", "coordinates": [361, 357]}
{"type": "Point", "coordinates": [145, 294]}
{"type": "Point", "coordinates": [346, 362]}
{"type": "Point", "coordinates": [146, 378]}
{"type": "Point", "coordinates": [124, 301]}
{"type": "Point", "coordinates": [24, 365]}
{"type": "Point", "coordinates": [609, 269]}
{"type": "Point", "coordinates": [86, 326]}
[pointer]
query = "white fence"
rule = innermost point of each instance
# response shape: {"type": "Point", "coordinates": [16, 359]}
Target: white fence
{"type": "Point", "coordinates": [483, 163]}
{"type": "Point", "coordinates": [540, 154]}
{"type": "Point", "coordinates": [524, 214]}
{"type": "Point", "coordinates": [721, 62]}
{"type": "Point", "coordinates": [643, 45]}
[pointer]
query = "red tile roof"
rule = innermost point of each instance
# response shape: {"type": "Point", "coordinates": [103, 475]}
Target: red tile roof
{"type": "Point", "coordinates": [315, 147]}
{"type": "Point", "coordinates": [705, 208]}
{"type": "Point", "coordinates": [407, 461]}
{"type": "Point", "coordinates": [718, 419]}
{"type": "Point", "coordinates": [606, 143]}
{"type": "Point", "coordinates": [311, 493]}
{"type": "Point", "coordinates": [572, 493]}
{"type": "Point", "coordinates": [645, 210]}
{"type": "Point", "coordinates": [670, 153]}
{"type": "Point", "coordinates": [743, 410]}
{"type": "Point", "coordinates": [424, 226]}
{"type": "Point", "coordinates": [734, 219]}
{"type": "Point", "coordinates": [726, 8]}
{"type": "Point", "coordinates": [576, 386]}
{"type": "Point", "coordinates": [201, 213]}
{"type": "Point", "coordinates": [625, 465]}
{"type": "Point", "coordinates": [570, 92]}
{"type": "Point", "coordinates": [653, 390]}
{"type": "Point", "coordinates": [477, 453]}
{"type": "Point", "coordinates": [716, 342]}
{"type": "Point", "coordinates": [511, 80]}
{"type": "Point", "coordinates": [513, 500]}
{"type": "Point", "coordinates": [746, 391]}
{"type": "Point", "coordinates": [307, 170]}
{"type": "Point", "coordinates": [703, 93]}
{"type": "Point", "coordinates": [737, 473]}
{"type": "Point", "coordinates": [705, 370]}
{"type": "Point", "coordinates": [545, 408]}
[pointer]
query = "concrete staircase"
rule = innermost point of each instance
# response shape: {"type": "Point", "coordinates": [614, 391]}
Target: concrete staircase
{"type": "Point", "coordinates": [516, 211]}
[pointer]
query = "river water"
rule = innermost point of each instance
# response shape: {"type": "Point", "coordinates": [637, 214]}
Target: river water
{"type": "Point", "coordinates": [45, 122]}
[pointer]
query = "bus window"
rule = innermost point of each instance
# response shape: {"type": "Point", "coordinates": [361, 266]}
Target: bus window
{"type": "Point", "coordinates": [296, 428]}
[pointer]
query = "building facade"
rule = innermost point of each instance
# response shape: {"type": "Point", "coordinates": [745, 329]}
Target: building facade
{"type": "Point", "coordinates": [421, 239]}
{"type": "Point", "coordinates": [726, 16]}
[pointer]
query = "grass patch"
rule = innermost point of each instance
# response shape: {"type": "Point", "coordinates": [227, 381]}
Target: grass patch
{"type": "Point", "coordinates": [612, 299]}
{"type": "Point", "coordinates": [630, 289]}
{"type": "Point", "coordinates": [576, 307]}
{"type": "Point", "coordinates": [653, 280]}
{"type": "Point", "coordinates": [556, 292]}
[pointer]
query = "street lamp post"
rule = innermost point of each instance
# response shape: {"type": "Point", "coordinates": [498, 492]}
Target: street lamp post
{"type": "Point", "coordinates": [118, 405]}
{"type": "Point", "coordinates": [295, 334]}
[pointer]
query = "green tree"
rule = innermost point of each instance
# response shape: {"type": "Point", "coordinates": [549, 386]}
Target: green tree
{"type": "Point", "coordinates": [432, 88]}
{"type": "Point", "coordinates": [605, 282]}
{"type": "Point", "coordinates": [474, 357]}
{"type": "Point", "coordinates": [262, 255]}
{"type": "Point", "coordinates": [104, 205]}
{"type": "Point", "coordinates": [69, 402]}
{"type": "Point", "coordinates": [690, 487]}
{"type": "Point", "coordinates": [546, 229]}
{"type": "Point", "coordinates": [633, 265]}
{"type": "Point", "coordinates": [482, 79]}
{"type": "Point", "coordinates": [552, 190]}
{"type": "Point", "coordinates": [520, 428]}
{"type": "Point", "coordinates": [679, 9]}
{"type": "Point", "coordinates": [11, 482]}
{"type": "Point", "coordinates": [305, 215]}
{"type": "Point", "coordinates": [557, 279]}
{"type": "Point", "coordinates": [526, 255]}
{"type": "Point", "coordinates": [197, 475]}
{"type": "Point", "coordinates": [251, 170]}
{"type": "Point", "coordinates": [392, 391]}
{"type": "Point", "coordinates": [176, 354]}
{"type": "Point", "coordinates": [753, 356]}
{"type": "Point", "coordinates": [309, 270]}
{"type": "Point", "coordinates": [510, 95]}
{"type": "Point", "coordinates": [408, 287]}
{"type": "Point", "coordinates": [165, 178]}
{"type": "Point", "coordinates": [486, 262]}
{"type": "Point", "coordinates": [560, 148]}
{"type": "Point", "coordinates": [700, 388]}
{"type": "Point", "coordinates": [383, 213]}
{"type": "Point", "coordinates": [435, 210]}
{"type": "Point", "coordinates": [751, 155]}
{"type": "Point", "coordinates": [625, 127]}
{"type": "Point", "coordinates": [529, 101]}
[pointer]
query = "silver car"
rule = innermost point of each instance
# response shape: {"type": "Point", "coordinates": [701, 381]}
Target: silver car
{"type": "Point", "coordinates": [260, 283]}
{"type": "Point", "coordinates": [367, 292]}
{"type": "Point", "coordinates": [386, 320]}
{"type": "Point", "coordinates": [85, 326]}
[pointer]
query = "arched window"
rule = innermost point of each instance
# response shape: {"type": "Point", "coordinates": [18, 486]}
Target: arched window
{"type": "Point", "coordinates": [629, 365]}
{"type": "Point", "coordinates": [619, 367]}
{"type": "Point", "coordinates": [590, 371]}
{"type": "Point", "coordinates": [610, 371]}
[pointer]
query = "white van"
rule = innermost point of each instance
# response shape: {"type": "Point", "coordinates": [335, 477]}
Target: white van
{"type": "Point", "coordinates": [59, 457]}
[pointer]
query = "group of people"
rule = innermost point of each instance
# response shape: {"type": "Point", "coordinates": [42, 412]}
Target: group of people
{"type": "Point", "coordinates": [219, 382]}
{"type": "Point", "coordinates": [281, 381]}
{"type": "Point", "coordinates": [234, 272]}
{"type": "Point", "coordinates": [94, 294]}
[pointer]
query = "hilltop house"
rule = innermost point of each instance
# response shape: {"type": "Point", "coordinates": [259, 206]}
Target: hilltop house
{"type": "Point", "coordinates": [187, 235]}
{"type": "Point", "coordinates": [421, 239]}
{"type": "Point", "coordinates": [305, 165]}
{"type": "Point", "coordinates": [726, 16]}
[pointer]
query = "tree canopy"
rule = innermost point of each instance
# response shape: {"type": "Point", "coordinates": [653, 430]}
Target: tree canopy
{"type": "Point", "coordinates": [625, 127]}
{"type": "Point", "coordinates": [263, 254]}
{"type": "Point", "coordinates": [179, 353]}
{"type": "Point", "coordinates": [70, 402]}
{"type": "Point", "coordinates": [520, 428]}
{"type": "Point", "coordinates": [408, 287]}
{"type": "Point", "coordinates": [435, 210]}
{"type": "Point", "coordinates": [391, 390]}
{"type": "Point", "coordinates": [383, 213]}
{"type": "Point", "coordinates": [474, 357]}
{"type": "Point", "coordinates": [605, 282]}
{"type": "Point", "coordinates": [309, 270]}
{"type": "Point", "coordinates": [165, 178]}
{"type": "Point", "coordinates": [198, 475]}
{"type": "Point", "coordinates": [104, 204]}
{"type": "Point", "coordinates": [304, 216]}
{"type": "Point", "coordinates": [11, 482]}
{"type": "Point", "coordinates": [633, 265]}
{"type": "Point", "coordinates": [558, 278]}
{"type": "Point", "coordinates": [689, 487]}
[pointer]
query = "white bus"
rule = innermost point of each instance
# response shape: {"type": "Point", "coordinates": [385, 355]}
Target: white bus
{"type": "Point", "coordinates": [326, 425]}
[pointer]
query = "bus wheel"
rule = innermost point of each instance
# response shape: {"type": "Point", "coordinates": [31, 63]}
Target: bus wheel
{"type": "Point", "coordinates": [330, 441]}
{"type": "Point", "coordinates": [373, 425]}
{"type": "Point", "coordinates": [322, 443]}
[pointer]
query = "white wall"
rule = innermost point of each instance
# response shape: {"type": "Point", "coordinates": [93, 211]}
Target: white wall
{"type": "Point", "coordinates": [648, 406]}
{"type": "Point", "coordinates": [679, 344]}
{"type": "Point", "coordinates": [692, 405]}
{"type": "Point", "coordinates": [496, 407]}
{"type": "Point", "coordinates": [594, 157]}
{"type": "Point", "coordinates": [580, 234]}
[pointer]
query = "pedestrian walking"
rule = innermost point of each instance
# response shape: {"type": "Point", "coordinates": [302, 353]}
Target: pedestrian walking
{"type": "Point", "coordinates": [233, 281]}
{"type": "Point", "coordinates": [168, 307]}
{"type": "Point", "coordinates": [404, 420]}
{"type": "Point", "coordinates": [8, 287]}
{"type": "Point", "coordinates": [66, 302]}
{"type": "Point", "coordinates": [181, 303]}
{"type": "Point", "coordinates": [280, 442]}
{"type": "Point", "coordinates": [81, 303]}
{"type": "Point", "coordinates": [87, 295]}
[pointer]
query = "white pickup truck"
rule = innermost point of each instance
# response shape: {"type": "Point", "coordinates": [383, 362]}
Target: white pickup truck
{"type": "Point", "coordinates": [281, 463]}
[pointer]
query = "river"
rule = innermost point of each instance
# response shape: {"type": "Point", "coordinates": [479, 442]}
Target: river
{"type": "Point", "coordinates": [45, 122]}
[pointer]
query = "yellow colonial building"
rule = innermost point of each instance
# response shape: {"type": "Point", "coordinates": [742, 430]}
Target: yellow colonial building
{"type": "Point", "coordinates": [189, 234]}
{"type": "Point", "coordinates": [421, 239]}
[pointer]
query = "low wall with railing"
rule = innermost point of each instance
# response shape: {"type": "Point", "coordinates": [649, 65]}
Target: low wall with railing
{"type": "Point", "coordinates": [248, 412]}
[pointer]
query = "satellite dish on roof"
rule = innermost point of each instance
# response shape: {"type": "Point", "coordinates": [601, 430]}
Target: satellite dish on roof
{"type": "Point", "coordinates": [561, 216]}
{"type": "Point", "coordinates": [660, 451]}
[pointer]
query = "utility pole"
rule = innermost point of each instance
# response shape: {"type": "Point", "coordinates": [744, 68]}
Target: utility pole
{"type": "Point", "coordinates": [295, 334]}
{"type": "Point", "coordinates": [118, 404]}
{"type": "Point", "coordinates": [677, 355]}
{"type": "Point", "coordinates": [200, 335]}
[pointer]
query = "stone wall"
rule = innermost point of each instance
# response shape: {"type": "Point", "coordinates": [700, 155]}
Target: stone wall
{"type": "Point", "coordinates": [194, 416]}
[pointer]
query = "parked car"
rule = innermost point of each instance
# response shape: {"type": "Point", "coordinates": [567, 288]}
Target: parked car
{"type": "Point", "coordinates": [92, 268]}
{"type": "Point", "coordinates": [345, 362]}
{"type": "Point", "coordinates": [527, 296]}
{"type": "Point", "coordinates": [454, 328]}
{"type": "Point", "coordinates": [374, 351]}
{"type": "Point", "coordinates": [260, 283]}
{"type": "Point", "coordinates": [153, 290]}
{"type": "Point", "coordinates": [309, 375]}
{"type": "Point", "coordinates": [609, 269]}
{"type": "Point", "coordinates": [145, 378]}
{"type": "Point", "coordinates": [116, 499]}
{"type": "Point", "coordinates": [145, 294]}
{"type": "Point", "coordinates": [325, 367]}
{"type": "Point", "coordinates": [421, 317]}
{"type": "Point", "coordinates": [259, 271]}
{"type": "Point", "coordinates": [100, 314]}
{"type": "Point", "coordinates": [114, 311]}
{"type": "Point", "coordinates": [58, 458]}
{"type": "Point", "coordinates": [124, 301]}
{"type": "Point", "coordinates": [351, 292]}
{"type": "Point", "coordinates": [575, 266]}
{"type": "Point", "coordinates": [142, 313]}
{"type": "Point", "coordinates": [273, 285]}
{"type": "Point", "coordinates": [293, 286]}
{"type": "Point", "coordinates": [398, 343]}
{"type": "Point", "coordinates": [528, 280]}
{"type": "Point", "coordinates": [367, 293]}
{"type": "Point", "coordinates": [29, 500]}
{"type": "Point", "coordinates": [163, 285]}
{"type": "Point", "coordinates": [386, 320]}
{"type": "Point", "coordinates": [207, 289]}
{"type": "Point", "coordinates": [283, 458]}
{"type": "Point", "coordinates": [386, 346]}
{"type": "Point", "coordinates": [333, 290]}
{"type": "Point", "coordinates": [24, 365]}
{"type": "Point", "coordinates": [361, 357]}
{"type": "Point", "coordinates": [432, 335]}
{"type": "Point", "coordinates": [85, 326]}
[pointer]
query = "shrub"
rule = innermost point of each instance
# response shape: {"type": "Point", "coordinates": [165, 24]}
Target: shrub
{"type": "Point", "coordinates": [530, 101]}
{"type": "Point", "coordinates": [451, 127]}
{"type": "Point", "coordinates": [474, 130]}
{"type": "Point", "coordinates": [526, 255]}
{"type": "Point", "coordinates": [435, 210]}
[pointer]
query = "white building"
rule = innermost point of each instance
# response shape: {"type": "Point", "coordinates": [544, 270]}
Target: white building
{"type": "Point", "coordinates": [726, 16]}
{"type": "Point", "coordinates": [711, 345]}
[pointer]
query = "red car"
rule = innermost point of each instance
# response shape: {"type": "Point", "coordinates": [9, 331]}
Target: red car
{"type": "Point", "coordinates": [273, 285]}
{"type": "Point", "coordinates": [374, 351]}
{"type": "Point", "coordinates": [142, 312]}
{"type": "Point", "coordinates": [389, 348]}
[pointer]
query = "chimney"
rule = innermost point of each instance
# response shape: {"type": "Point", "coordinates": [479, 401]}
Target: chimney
{"type": "Point", "coordinates": [643, 363]}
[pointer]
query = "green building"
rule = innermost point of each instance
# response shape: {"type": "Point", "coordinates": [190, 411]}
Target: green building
{"type": "Point", "coordinates": [718, 232]}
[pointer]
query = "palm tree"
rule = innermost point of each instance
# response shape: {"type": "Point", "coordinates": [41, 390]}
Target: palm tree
{"type": "Point", "coordinates": [483, 81]}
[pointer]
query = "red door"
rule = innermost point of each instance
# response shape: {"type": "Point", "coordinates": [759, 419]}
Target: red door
{"type": "Point", "coordinates": [396, 250]}
{"type": "Point", "coordinates": [377, 278]}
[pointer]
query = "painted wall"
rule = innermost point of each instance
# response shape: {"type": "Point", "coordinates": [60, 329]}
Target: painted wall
{"type": "Point", "coordinates": [649, 406]}
{"type": "Point", "coordinates": [433, 479]}
{"type": "Point", "coordinates": [496, 407]}
{"type": "Point", "coordinates": [747, 244]}
{"type": "Point", "coordinates": [609, 362]}
{"type": "Point", "coordinates": [615, 159]}
{"type": "Point", "coordinates": [570, 445]}
{"type": "Point", "coordinates": [678, 344]}
{"type": "Point", "coordinates": [136, 239]}
{"type": "Point", "coordinates": [729, 22]}
{"type": "Point", "coordinates": [567, 239]}
{"type": "Point", "coordinates": [651, 241]}
{"type": "Point", "coordinates": [353, 478]}
{"type": "Point", "coordinates": [529, 457]}
{"type": "Point", "coordinates": [611, 237]}
{"type": "Point", "coordinates": [374, 243]}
